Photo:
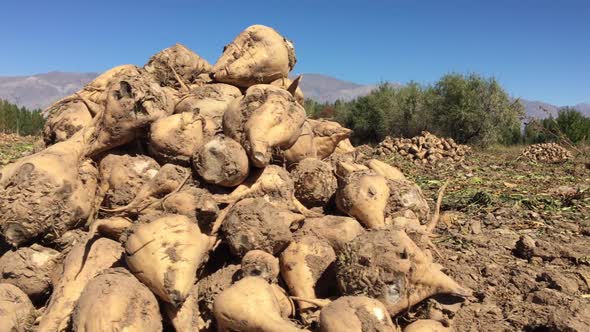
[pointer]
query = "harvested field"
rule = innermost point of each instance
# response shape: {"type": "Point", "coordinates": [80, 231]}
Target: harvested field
{"type": "Point", "coordinates": [13, 147]}
{"type": "Point", "coordinates": [201, 197]}
{"type": "Point", "coordinates": [517, 233]}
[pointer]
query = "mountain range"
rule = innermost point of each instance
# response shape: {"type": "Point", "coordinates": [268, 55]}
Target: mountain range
{"type": "Point", "coordinates": [39, 91]}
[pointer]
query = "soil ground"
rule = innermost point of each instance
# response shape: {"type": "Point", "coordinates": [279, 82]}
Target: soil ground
{"type": "Point", "coordinates": [518, 234]}
{"type": "Point", "coordinates": [13, 147]}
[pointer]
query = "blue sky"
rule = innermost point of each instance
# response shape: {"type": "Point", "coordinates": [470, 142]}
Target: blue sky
{"type": "Point", "coordinates": [538, 49]}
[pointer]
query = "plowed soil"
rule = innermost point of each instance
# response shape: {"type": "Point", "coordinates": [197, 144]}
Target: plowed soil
{"type": "Point", "coordinates": [518, 234]}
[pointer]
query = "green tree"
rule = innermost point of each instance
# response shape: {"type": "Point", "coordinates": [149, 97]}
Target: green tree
{"type": "Point", "coordinates": [20, 120]}
{"type": "Point", "coordinates": [534, 132]}
{"type": "Point", "coordinates": [473, 109]}
{"type": "Point", "coordinates": [386, 111]}
{"type": "Point", "coordinates": [412, 114]}
{"type": "Point", "coordinates": [366, 119]}
{"type": "Point", "coordinates": [573, 124]}
{"type": "Point", "coordinates": [569, 124]}
{"type": "Point", "coordinates": [311, 108]}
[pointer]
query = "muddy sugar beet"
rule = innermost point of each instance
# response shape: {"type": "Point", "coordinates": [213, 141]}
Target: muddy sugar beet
{"type": "Point", "coordinates": [190, 196]}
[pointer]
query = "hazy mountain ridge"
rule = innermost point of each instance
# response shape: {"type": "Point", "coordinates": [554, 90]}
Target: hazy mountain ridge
{"type": "Point", "coordinates": [541, 110]}
{"type": "Point", "coordinates": [322, 88]}
{"type": "Point", "coordinates": [39, 91]}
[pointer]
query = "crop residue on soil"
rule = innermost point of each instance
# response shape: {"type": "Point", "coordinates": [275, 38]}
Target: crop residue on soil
{"type": "Point", "coordinates": [517, 233]}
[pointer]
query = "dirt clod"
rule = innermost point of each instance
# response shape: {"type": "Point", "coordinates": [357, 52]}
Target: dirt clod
{"type": "Point", "coordinates": [524, 248]}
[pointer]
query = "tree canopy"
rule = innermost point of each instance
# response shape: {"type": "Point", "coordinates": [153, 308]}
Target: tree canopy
{"type": "Point", "coordinates": [469, 108]}
{"type": "Point", "coordinates": [19, 120]}
{"type": "Point", "coordinates": [569, 124]}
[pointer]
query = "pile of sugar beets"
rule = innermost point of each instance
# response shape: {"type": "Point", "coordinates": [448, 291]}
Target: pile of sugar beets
{"type": "Point", "coordinates": [189, 197]}
{"type": "Point", "coordinates": [546, 152]}
{"type": "Point", "coordinates": [424, 149]}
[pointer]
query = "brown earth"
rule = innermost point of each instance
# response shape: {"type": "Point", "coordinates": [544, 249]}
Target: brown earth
{"type": "Point", "coordinates": [518, 234]}
{"type": "Point", "coordinates": [13, 147]}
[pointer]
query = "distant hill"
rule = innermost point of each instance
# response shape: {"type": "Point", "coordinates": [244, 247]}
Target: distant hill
{"type": "Point", "coordinates": [323, 88]}
{"type": "Point", "coordinates": [538, 109]}
{"type": "Point", "coordinates": [39, 91]}
{"type": "Point", "coordinates": [541, 110]}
